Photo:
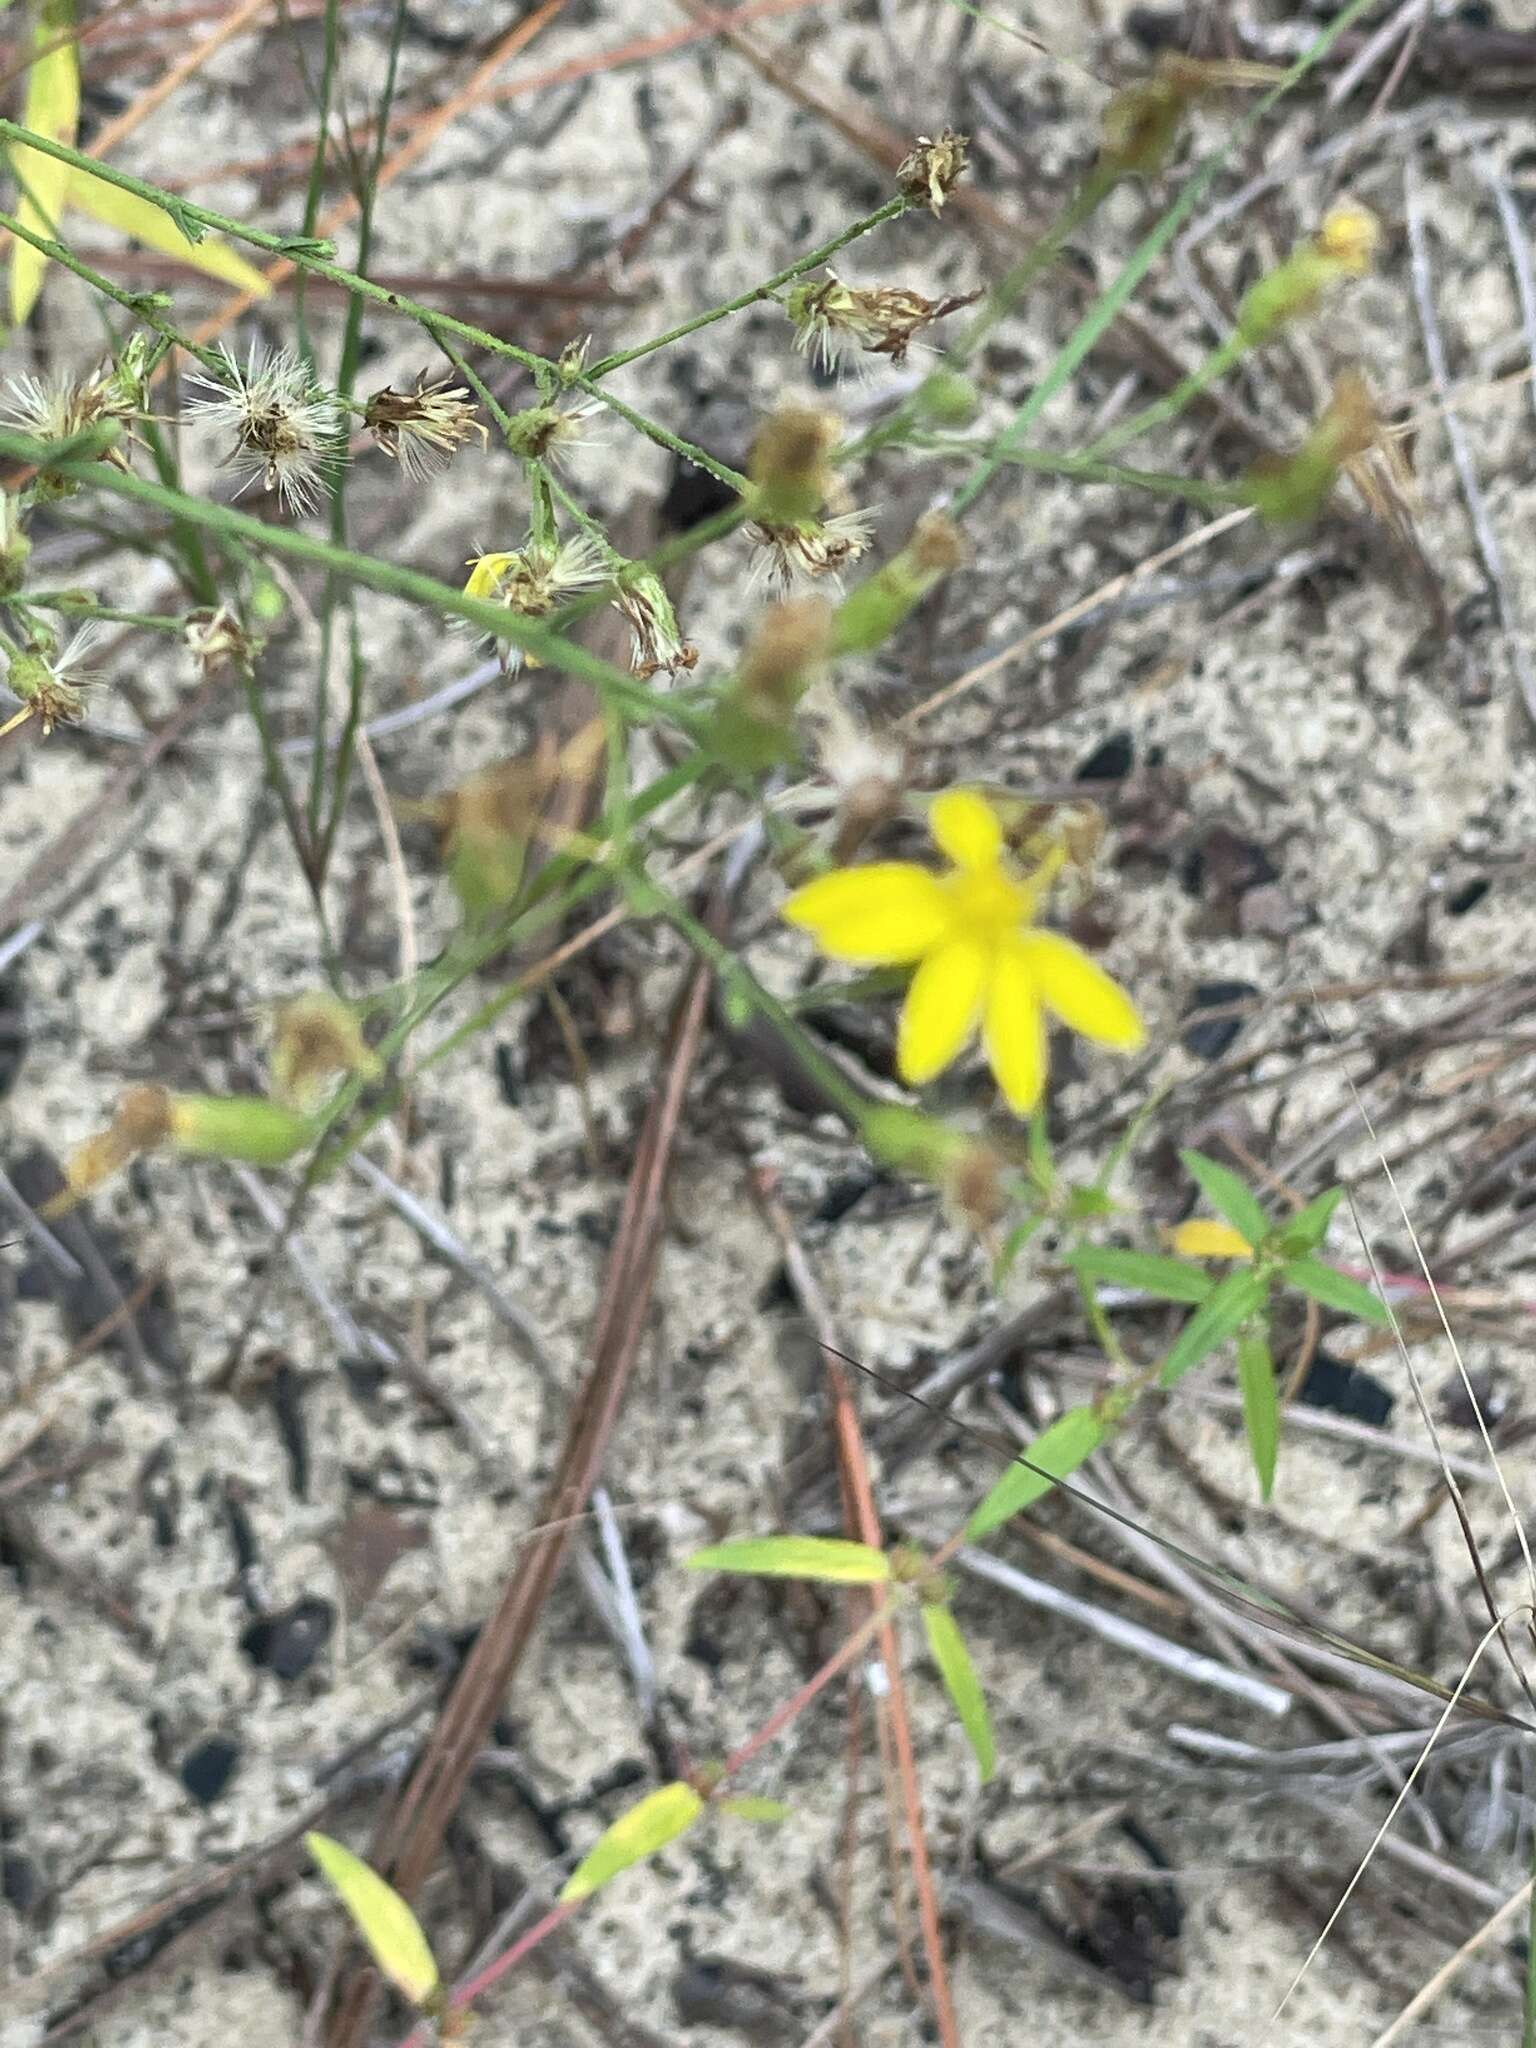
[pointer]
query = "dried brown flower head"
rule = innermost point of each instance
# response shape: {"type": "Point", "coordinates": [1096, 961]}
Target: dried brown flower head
{"type": "Point", "coordinates": [932, 167]}
{"type": "Point", "coordinates": [424, 428]}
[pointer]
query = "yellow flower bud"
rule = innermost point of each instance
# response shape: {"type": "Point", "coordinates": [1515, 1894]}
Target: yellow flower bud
{"type": "Point", "coordinates": [1203, 1237]}
{"type": "Point", "coordinates": [789, 464]}
{"type": "Point", "coordinates": [246, 1128]}
{"type": "Point", "coordinates": [870, 614]}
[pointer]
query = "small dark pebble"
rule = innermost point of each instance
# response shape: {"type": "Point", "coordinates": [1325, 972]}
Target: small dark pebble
{"type": "Point", "coordinates": [1346, 1390]}
{"type": "Point", "coordinates": [1111, 761]}
{"type": "Point", "coordinates": [1468, 896]}
{"type": "Point", "coordinates": [692, 496]}
{"type": "Point", "coordinates": [844, 1194]}
{"type": "Point", "coordinates": [13, 1033]}
{"type": "Point", "coordinates": [286, 1644]}
{"type": "Point", "coordinates": [1210, 1039]}
{"type": "Point", "coordinates": [21, 1883]}
{"type": "Point", "coordinates": [208, 1766]}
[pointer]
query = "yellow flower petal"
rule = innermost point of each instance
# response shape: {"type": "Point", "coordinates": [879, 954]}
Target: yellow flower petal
{"type": "Point", "coordinates": [942, 1008]}
{"type": "Point", "coordinates": [1080, 993]}
{"type": "Point", "coordinates": [882, 914]}
{"type": "Point", "coordinates": [52, 109]}
{"type": "Point", "coordinates": [485, 574]}
{"type": "Point", "coordinates": [1014, 1031]}
{"type": "Point", "coordinates": [966, 827]}
{"type": "Point", "coordinates": [1202, 1237]}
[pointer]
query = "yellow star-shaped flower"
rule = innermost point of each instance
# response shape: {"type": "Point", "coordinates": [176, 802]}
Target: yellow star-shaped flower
{"type": "Point", "coordinates": [980, 958]}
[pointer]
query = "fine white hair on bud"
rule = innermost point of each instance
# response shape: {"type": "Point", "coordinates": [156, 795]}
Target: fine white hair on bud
{"type": "Point", "coordinates": [282, 426]}
{"type": "Point", "coordinates": [787, 556]}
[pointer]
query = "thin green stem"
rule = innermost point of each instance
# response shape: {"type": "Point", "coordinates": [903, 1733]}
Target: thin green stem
{"type": "Point", "coordinates": [346, 380]}
{"type": "Point", "coordinates": [72, 605]}
{"type": "Point", "coordinates": [1085, 469]}
{"type": "Point", "coordinates": [1173, 402]}
{"type": "Point", "coordinates": [315, 188]}
{"type": "Point", "coordinates": [798, 268]}
{"type": "Point", "coordinates": [142, 305]}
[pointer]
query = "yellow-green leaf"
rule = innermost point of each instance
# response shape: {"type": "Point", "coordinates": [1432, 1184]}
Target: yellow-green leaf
{"type": "Point", "coordinates": [1057, 1450]}
{"type": "Point", "coordinates": [797, 1557]}
{"type": "Point", "coordinates": [52, 109]}
{"type": "Point", "coordinates": [660, 1817]}
{"type": "Point", "coordinates": [154, 227]}
{"type": "Point", "coordinates": [382, 1917]}
{"type": "Point", "coordinates": [748, 1807]}
{"type": "Point", "coordinates": [1261, 1403]}
{"type": "Point", "coordinates": [948, 1649]}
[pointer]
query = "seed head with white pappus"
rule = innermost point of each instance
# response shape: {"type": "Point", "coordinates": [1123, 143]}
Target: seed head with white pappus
{"type": "Point", "coordinates": [51, 681]}
{"type": "Point", "coordinates": [283, 425]}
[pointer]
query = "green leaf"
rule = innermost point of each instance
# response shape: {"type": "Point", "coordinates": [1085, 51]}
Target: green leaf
{"type": "Point", "coordinates": [797, 1557]}
{"type": "Point", "coordinates": [1336, 1290]}
{"type": "Point", "coordinates": [1042, 1162]}
{"type": "Point", "coordinates": [382, 1918]}
{"type": "Point", "coordinates": [1147, 1272]}
{"type": "Point", "coordinates": [1218, 1317]}
{"type": "Point", "coordinates": [1013, 1244]}
{"type": "Point", "coordinates": [1261, 1403]}
{"type": "Point", "coordinates": [947, 1647]}
{"type": "Point", "coordinates": [660, 1817]}
{"type": "Point", "coordinates": [1227, 1196]}
{"type": "Point", "coordinates": [1308, 1227]}
{"type": "Point", "coordinates": [1056, 1451]}
{"type": "Point", "coordinates": [53, 110]}
{"type": "Point", "coordinates": [746, 1807]}
{"type": "Point", "coordinates": [164, 228]}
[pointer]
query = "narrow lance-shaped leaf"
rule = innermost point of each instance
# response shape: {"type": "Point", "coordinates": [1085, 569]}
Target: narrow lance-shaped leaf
{"type": "Point", "coordinates": [948, 1649]}
{"type": "Point", "coordinates": [797, 1557]}
{"type": "Point", "coordinates": [1227, 1195]}
{"type": "Point", "coordinates": [1058, 1450]}
{"type": "Point", "coordinates": [52, 109]}
{"type": "Point", "coordinates": [1219, 1317]}
{"type": "Point", "coordinates": [1308, 1227]}
{"type": "Point", "coordinates": [1147, 1272]}
{"type": "Point", "coordinates": [1261, 1403]}
{"type": "Point", "coordinates": [153, 226]}
{"type": "Point", "coordinates": [660, 1817]}
{"type": "Point", "coordinates": [382, 1918]}
{"type": "Point", "coordinates": [1335, 1290]}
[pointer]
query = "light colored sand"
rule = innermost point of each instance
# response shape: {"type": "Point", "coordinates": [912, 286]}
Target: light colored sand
{"type": "Point", "coordinates": [1304, 724]}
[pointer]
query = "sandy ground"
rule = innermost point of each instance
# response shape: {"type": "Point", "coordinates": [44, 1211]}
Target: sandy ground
{"type": "Point", "coordinates": [1286, 689]}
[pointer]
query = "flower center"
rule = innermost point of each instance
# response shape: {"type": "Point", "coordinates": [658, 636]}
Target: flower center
{"type": "Point", "coordinates": [988, 903]}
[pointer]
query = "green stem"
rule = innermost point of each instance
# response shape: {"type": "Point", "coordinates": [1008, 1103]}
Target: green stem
{"type": "Point", "coordinates": [1173, 402]}
{"type": "Point", "coordinates": [315, 188]}
{"type": "Point", "coordinates": [798, 268]}
{"type": "Point", "coordinates": [346, 380]}
{"type": "Point", "coordinates": [73, 606]}
{"type": "Point", "coordinates": [1085, 469]}
{"type": "Point", "coordinates": [140, 304]}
